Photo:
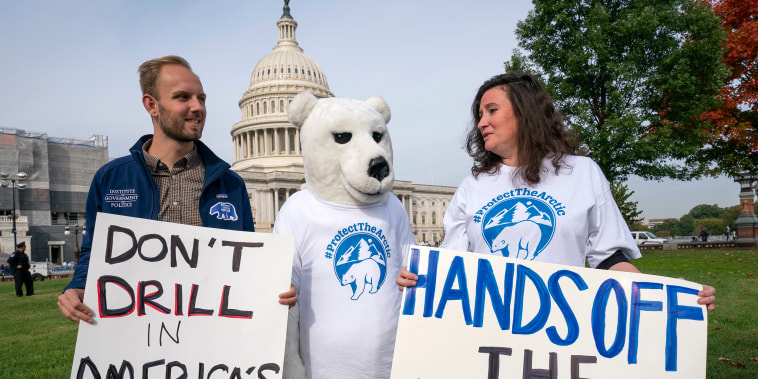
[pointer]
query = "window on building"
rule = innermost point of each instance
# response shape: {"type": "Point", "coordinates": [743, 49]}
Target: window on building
{"type": "Point", "coordinates": [414, 218]}
{"type": "Point", "coordinates": [434, 218]}
{"type": "Point", "coordinates": [281, 106]}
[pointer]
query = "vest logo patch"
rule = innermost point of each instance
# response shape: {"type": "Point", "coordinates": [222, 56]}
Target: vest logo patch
{"type": "Point", "coordinates": [121, 198]}
{"type": "Point", "coordinates": [520, 223]}
{"type": "Point", "coordinates": [359, 255]}
{"type": "Point", "coordinates": [224, 211]}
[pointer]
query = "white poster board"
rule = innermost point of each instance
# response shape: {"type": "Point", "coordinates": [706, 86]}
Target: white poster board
{"type": "Point", "coordinates": [175, 301]}
{"type": "Point", "coordinates": [482, 316]}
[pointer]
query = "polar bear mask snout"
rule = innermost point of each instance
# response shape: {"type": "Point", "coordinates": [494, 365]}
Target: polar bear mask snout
{"type": "Point", "coordinates": [346, 147]}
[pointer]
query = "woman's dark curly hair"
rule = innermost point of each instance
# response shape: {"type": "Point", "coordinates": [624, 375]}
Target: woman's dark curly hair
{"type": "Point", "coordinates": [541, 130]}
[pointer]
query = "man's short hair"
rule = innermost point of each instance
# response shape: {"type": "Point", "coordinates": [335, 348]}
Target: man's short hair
{"type": "Point", "coordinates": [149, 70]}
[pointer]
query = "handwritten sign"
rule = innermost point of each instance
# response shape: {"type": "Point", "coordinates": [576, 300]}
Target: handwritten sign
{"type": "Point", "coordinates": [179, 301]}
{"type": "Point", "coordinates": [480, 316]}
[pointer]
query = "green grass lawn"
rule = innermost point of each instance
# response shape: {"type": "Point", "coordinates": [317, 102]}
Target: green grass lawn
{"type": "Point", "coordinates": [37, 342]}
{"type": "Point", "coordinates": [733, 326]}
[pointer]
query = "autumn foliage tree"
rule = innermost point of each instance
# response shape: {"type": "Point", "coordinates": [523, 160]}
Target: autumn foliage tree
{"type": "Point", "coordinates": [733, 144]}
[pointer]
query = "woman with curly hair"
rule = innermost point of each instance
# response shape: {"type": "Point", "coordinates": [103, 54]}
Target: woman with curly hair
{"type": "Point", "coordinates": [530, 194]}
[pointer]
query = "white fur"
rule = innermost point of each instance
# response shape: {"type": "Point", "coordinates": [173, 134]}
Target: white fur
{"type": "Point", "coordinates": [339, 172]}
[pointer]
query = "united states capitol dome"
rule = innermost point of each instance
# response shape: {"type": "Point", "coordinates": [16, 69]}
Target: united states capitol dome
{"type": "Point", "coordinates": [264, 140]}
{"type": "Point", "coordinates": [287, 62]}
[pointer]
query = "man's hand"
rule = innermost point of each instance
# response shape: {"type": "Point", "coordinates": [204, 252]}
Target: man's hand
{"type": "Point", "coordinates": [70, 304]}
{"type": "Point", "coordinates": [289, 297]}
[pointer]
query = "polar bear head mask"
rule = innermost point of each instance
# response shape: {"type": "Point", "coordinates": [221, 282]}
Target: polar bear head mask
{"type": "Point", "coordinates": [346, 147]}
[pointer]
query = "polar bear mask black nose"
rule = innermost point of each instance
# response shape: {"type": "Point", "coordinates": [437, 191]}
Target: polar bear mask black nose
{"type": "Point", "coordinates": [378, 168]}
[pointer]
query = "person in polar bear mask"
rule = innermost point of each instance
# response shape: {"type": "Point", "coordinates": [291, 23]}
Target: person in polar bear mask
{"type": "Point", "coordinates": [351, 237]}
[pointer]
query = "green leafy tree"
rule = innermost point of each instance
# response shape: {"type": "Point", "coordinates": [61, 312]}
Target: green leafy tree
{"type": "Point", "coordinates": [628, 208]}
{"type": "Point", "coordinates": [714, 226]}
{"type": "Point", "coordinates": [712, 217]}
{"type": "Point", "coordinates": [730, 214]}
{"type": "Point", "coordinates": [705, 211]}
{"type": "Point", "coordinates": [630, 77]}
{"type": "Point", "coordinates": [668, 227]}
{"type": "Point", "coordinates": [686, 226]}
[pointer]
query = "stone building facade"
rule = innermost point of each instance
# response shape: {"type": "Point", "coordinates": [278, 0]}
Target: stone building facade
{"type": "Point", "coordinates": [59, 172]}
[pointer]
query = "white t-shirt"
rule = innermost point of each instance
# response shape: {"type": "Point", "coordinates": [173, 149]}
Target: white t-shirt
{"type": "Point", "coordinates": [345, 265]}
{"type": "Point", "coordinates": [568, 218]}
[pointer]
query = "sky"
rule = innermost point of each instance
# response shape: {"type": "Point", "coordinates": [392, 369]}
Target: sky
{"type": "Point", "coordinates": [69, 69]}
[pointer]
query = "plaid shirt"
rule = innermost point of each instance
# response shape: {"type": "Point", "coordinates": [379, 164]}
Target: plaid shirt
{"type": "Point", "coordinates": [179, 188]}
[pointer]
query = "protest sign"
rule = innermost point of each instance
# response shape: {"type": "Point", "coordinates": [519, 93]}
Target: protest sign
{"type": "Point", "coordinates": [180, 301]}
{"type": "Point", "coordinates": [484, 316]}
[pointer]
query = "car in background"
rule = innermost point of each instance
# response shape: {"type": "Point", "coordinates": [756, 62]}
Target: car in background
{"type": "Point", "coordinates": [40, 270]}
{"type": "Point", "coordinates": [647, 238]}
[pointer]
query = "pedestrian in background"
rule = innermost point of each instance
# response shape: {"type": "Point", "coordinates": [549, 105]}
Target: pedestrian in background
{"type": "Point", "coordinates": [19, 264]}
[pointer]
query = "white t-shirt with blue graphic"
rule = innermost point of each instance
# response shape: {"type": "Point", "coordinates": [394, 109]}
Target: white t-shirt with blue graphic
{"type": "Point", "coordinates": [345, 265]}
{"type": "Point", "coordinates": [568, 218]}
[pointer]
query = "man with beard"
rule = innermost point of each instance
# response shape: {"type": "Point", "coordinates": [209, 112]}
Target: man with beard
{"type": "Point", "coordinates": [169, 176]}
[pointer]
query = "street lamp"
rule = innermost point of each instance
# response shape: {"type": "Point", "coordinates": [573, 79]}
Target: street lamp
{"type": "Point", "coordinates": [76, 239]}
{"type": "Point", "coordinates": [20, 178]}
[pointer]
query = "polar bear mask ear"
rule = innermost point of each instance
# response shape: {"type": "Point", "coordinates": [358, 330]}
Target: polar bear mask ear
{"type": "Point", "coordinates": [300, 107]}
{"type": "Point", "coordinates": [378, 103]}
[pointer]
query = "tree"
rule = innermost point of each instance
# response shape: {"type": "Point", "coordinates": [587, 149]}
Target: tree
{"type": "Point", "coordinates": [712, 217]}
{"type": "Point", "coordinates": [621, 194]}
{"type": "Point", "coordinates": [706, 211]}
{"type": "Point", "coordinates": [630, 77]}
{"type": "Point", "coordinates": [734, 144]}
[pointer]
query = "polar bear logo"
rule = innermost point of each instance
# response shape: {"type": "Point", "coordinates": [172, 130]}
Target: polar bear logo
{"type": "Point", "coordinates": [224, 211]}
{"type": "Point", "coordinates": [365, 272]}
{"type": "Point", "coordinates": [518, 241]}
{"type": "Point", "coordinates": [519, 228]}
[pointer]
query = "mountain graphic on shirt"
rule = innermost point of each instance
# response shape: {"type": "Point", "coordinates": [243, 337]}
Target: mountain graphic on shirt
{"type": "Point", "coordinates": [518, 213]}
{"type": "Point", "coordinates": [361, 251]}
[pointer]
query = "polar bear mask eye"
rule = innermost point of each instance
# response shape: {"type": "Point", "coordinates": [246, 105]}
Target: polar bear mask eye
{"type": "Point", "coordinates": [377, 136]}
{"type": "Point", "coordinates": [342, 138]}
